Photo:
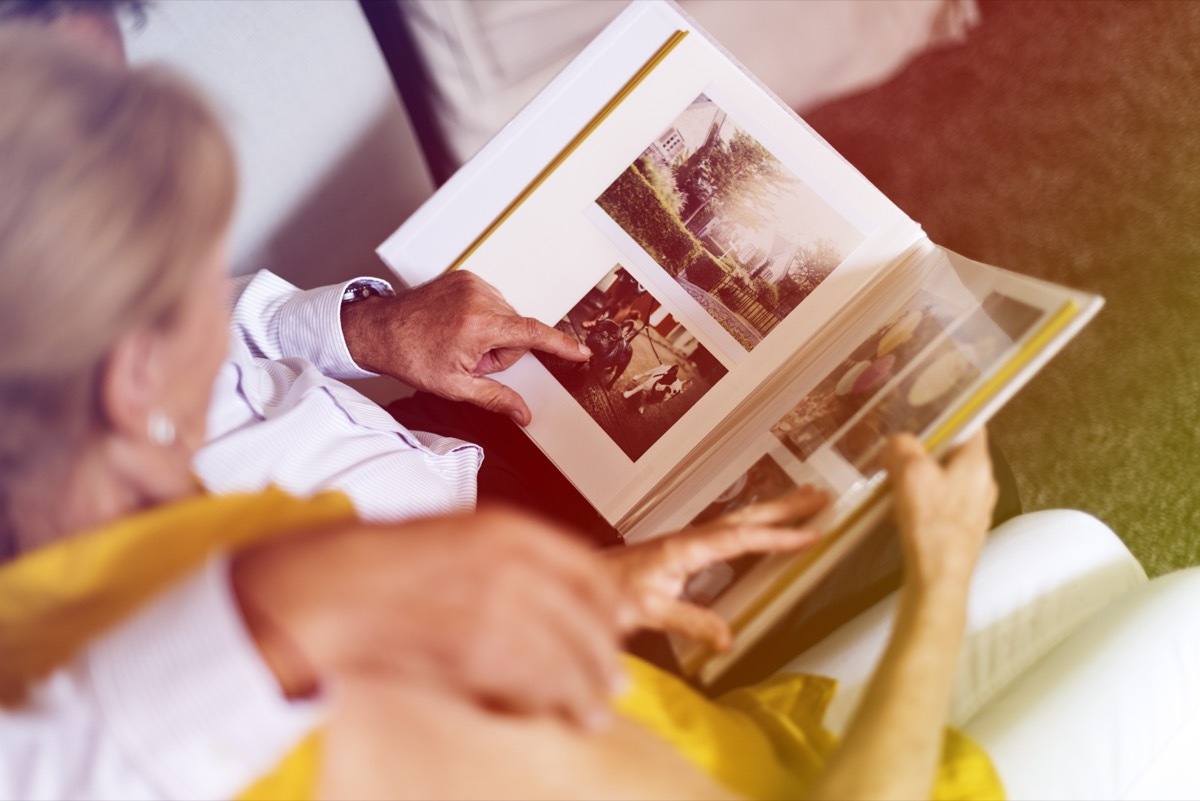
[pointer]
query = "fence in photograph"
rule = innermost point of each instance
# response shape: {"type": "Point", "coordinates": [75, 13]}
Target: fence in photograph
{"type": "Point", "coordinates": [747, 305]}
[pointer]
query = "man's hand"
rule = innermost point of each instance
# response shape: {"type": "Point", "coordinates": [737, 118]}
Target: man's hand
{"type": "Point", "coordinates": [498, 606]}
{"type": "Point", "coordinates": [652, 574]}
{"type": "Point", "coordinates": [447, 335]}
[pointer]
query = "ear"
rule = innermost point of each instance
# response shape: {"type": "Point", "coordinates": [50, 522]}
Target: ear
{"type": "Point", "coordinates": [130, 385]}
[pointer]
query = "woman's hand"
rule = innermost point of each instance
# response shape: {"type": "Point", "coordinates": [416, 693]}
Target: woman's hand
{"type": "Point", "coordinates": [652, 574]}
{"type": "Point", "coordinates": [943, 511]}
{"type": "Point", "coordinates": [501, 607]}
{"type": "Point", "coordinates": [891, 747]}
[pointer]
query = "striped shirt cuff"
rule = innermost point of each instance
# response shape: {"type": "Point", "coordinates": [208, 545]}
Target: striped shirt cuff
{"type": "Point", "coordinates": [310, 326]}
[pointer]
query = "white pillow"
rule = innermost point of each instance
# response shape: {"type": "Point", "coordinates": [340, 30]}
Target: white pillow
{"type": "Point", "coordinates": [488, 58]}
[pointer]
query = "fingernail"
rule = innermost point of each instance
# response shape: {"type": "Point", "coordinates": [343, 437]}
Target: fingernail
{"type": "Point", "coordinates": [584, 350]}
{"type": "Point", "coordinates": [619, 684]}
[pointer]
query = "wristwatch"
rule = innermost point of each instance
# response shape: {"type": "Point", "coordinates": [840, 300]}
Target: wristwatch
{"type": "Point", "coordinates": [365, 288]}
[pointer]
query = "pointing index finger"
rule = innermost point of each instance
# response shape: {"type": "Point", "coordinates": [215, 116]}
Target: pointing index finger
{"type": "Point", "coordinates": [697, 550]}
{"type": "Point", "coordinates": [527, 333]}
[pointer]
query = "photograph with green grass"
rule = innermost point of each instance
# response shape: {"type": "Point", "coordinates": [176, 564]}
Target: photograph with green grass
{"type": "Point", "coordinates": [739, 232]}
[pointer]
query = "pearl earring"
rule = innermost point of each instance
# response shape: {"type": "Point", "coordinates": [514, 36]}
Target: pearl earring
{"type": "Point", "coordinates": [160, 429]}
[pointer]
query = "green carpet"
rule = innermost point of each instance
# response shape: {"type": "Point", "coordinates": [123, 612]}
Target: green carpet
{"type": "Point", "coordinates": [1061, 141]}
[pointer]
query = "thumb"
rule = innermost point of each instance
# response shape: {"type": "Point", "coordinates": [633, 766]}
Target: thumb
{"type": "Point", "coordinates": [696, 622]}
{"type": "Point", "coordinates": [900, 450]}
{"type": "Point", "coordinates": [495, 397]}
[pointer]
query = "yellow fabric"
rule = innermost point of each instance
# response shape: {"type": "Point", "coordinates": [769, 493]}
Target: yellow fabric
{"type": "Point", "coordinates": [766, 741]}
{"type": "Point", "coordinates": [294, 779]}
{"type": "Point", "coordinates": [55, 599]}
{"type": "Point", "coordinates": [761, 742]}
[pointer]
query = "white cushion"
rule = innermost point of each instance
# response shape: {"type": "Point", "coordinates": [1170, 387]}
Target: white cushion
{"type": "Point", "coordinates": [1040, 577]}
{"type": "Point", "coordinates": [488, 58]}
{"type": "Point", "coordinates": [1113, 712]}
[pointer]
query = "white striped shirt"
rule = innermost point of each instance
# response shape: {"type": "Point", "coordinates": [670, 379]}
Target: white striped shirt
{"type": "Point", "coordinates": [279, 416]}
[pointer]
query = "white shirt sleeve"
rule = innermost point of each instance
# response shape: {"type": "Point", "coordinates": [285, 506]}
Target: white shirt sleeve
{"type": "Point", "coordinates": [278, 321]}
{"type": "Point", "coordinates": [174, 703]}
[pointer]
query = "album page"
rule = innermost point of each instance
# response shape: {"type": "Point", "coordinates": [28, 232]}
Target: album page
{"type": "Point", "coordinates": [946, 344]}
{"type": "Point", "coordinates": [691, 231]}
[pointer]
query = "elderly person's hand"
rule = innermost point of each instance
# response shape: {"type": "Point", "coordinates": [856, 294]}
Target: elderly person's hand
{"type": "Point", "coordinates": [497, 606]}
{"type": "Point", "coordinates": [652, 574]}
{"type": "Point", "coordinates": [447, 336]}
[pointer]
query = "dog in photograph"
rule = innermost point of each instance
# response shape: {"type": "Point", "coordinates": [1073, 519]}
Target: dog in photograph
{"type": "Point", "coordinates": [612, 348]}
{"type": "Point", "coordinates": [660, 385]}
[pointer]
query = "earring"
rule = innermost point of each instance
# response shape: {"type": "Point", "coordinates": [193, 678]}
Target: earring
{"type": "Point", "coordinates": [160, 429]}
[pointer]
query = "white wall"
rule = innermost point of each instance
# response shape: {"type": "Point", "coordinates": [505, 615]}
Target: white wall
{"type": "Point", "coordinates": [328, 162]}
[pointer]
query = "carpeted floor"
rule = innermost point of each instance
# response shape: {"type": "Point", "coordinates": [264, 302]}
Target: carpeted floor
{"type": "Point", "coordinates": [1061, 140]}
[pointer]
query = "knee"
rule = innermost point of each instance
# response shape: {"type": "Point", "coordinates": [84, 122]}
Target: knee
{"type": "Point", "coordinates": [1066, 541]}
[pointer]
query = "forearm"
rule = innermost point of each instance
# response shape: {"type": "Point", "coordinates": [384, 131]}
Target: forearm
{"type": "Point", "coordinates": [892, 745]}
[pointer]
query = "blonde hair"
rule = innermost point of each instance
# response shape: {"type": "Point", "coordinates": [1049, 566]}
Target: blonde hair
{"type": "Point", "coordinates": [114, 183]}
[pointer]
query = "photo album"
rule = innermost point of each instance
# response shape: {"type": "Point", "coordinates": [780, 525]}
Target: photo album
{"type": "Point", "coordinates": [760, 316]}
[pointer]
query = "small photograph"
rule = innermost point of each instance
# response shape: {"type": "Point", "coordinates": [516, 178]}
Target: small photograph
{"type": "Point", "coordinates": [848, 388]}
{"type": "Point", "coordinates": [970, 351]}
{"type": "Point", "coordinates": [742, 235]}
{"type": "Point", "coordinates": [646, 369]}
{"type": "Point", "coordinates": [764, 480]}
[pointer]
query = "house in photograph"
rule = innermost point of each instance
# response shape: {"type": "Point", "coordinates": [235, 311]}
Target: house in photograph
{"type": "Point", "coordinates": [700, 122]}
{"type": "Point", "coordinates": [779, 259]}
{"type": "Point", "coordinates": [724, 239]}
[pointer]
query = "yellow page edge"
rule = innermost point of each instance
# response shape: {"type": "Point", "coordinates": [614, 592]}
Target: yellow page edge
{"type": "Point", "coordinates": [611, 106]}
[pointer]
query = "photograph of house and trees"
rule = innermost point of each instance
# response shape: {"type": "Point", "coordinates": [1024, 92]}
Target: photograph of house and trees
{"type": "Point", "coordinates": [746, 238]}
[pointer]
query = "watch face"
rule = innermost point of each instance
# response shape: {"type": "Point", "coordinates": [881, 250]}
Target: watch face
{"type": "Point", "coordinates": [364, 290]}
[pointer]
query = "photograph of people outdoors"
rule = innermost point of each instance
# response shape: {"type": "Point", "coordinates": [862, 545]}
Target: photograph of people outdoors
{"type": "Point", "coordinates": [746, 238]}
{"type": "Point", "coordinates": [646, 369]}
{"type": "Point", "coordinates": [971, 349]}
{"type": "Point", "coordinates": [763, 480]}
{"type": "Point", "coordinates": [839, 396]}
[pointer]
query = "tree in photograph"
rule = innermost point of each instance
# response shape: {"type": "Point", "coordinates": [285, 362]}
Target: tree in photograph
{"type": "Point", "coordinates": [734, 178]}
{"type": "Point", "coordinates": [662, 181]}
{"type": "Point", "coordinates": [635, 205]}
{"type": "Point", "coordinates": [811, 265]}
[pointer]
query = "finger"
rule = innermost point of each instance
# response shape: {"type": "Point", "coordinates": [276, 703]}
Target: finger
{"type": "Point", "coordinates": [974, 451]}
{"type": "Point", "coordinates": [696, 622]}
{"type": "Point", "coordinates": [542, 674]}
{"type": "Point", "coordinates": [550, 632]}
{"type": "Point", "coordinates": [527, 333]}
{"type": "Point", "coordinates": [585, 649]}
{"type": "Point", "coordinates": [901, 449]}
{"type": "Point", "coordinates": [554, 551]}
{"type": "Point", "coordinates": [490, 394]}
{"type": "Point", "coordinates": [972, 464]}
{"type": "Point", "coordinates": [695, 550]}
{"type": "Point", "coordinates": [796, 505]}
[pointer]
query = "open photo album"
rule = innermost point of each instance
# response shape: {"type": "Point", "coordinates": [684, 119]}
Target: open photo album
{"type": "Point", "coordinates": [760, 316]}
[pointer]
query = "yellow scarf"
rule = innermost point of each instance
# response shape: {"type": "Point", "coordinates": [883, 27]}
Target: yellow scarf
{"type": "Point", "coordinates": [761, 742]}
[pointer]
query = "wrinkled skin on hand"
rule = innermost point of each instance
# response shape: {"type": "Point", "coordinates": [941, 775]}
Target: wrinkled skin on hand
{"type": "Point", "coordinates": [447, 336]}
{"type": "Point", "coordinates": [652, 574]}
